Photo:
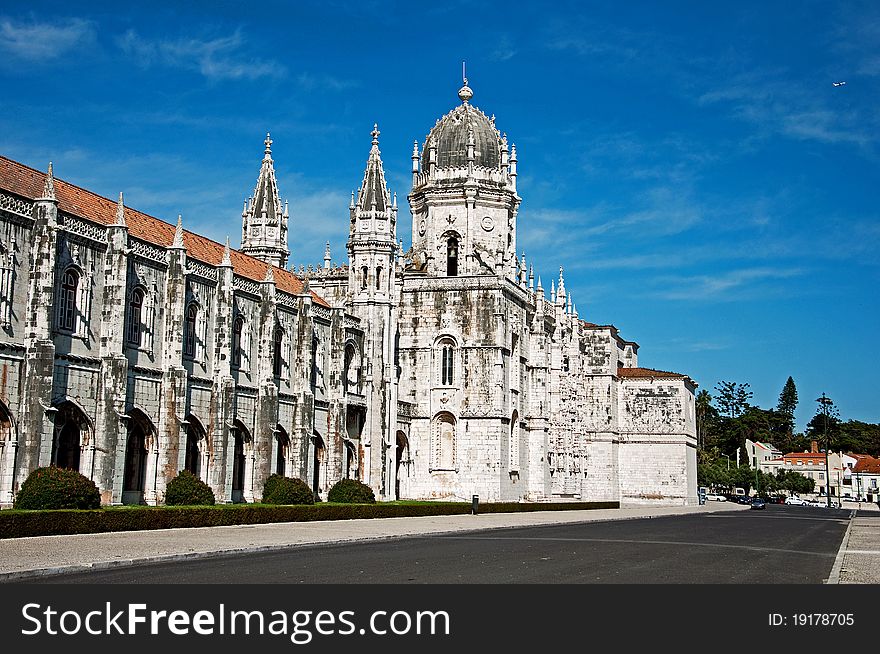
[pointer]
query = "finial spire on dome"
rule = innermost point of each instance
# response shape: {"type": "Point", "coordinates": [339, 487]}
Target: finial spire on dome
{"type": "Point", "coordinates": [375, 133]}
{"type": "Point", "coordinates": [465, 93]}
{"type": "Point", "coordinates": [268, 144]}
{"type": "Point", "coordinates": [327, 258]}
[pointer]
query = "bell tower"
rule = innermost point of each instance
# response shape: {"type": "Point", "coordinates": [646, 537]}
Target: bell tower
{"type": "Point", "coordinates": [264, 222]}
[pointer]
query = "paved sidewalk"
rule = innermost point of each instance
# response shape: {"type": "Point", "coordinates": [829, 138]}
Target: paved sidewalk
{"type": "Point", "coordinates": [21, 558]}
{"type": "Point", "coordinates": [861, 556]}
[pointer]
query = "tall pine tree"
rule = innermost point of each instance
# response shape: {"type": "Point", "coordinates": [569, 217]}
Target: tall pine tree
{"type": "Point", "coordinates": [788, 401]}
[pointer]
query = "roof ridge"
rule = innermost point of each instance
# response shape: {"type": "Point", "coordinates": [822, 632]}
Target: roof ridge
{"type": "Point", "coordinates": [112, 205]}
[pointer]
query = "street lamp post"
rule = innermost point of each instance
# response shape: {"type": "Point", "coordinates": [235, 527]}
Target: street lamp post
{"type": "Point", "coordinates": [825, 401]}
{"type": "Point", "coordinates": [728, 461]}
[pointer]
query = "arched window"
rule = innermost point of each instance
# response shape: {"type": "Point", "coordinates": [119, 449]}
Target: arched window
{"type": "Point", "coordinates": [135, 316]}
{"type": "Point", "coordinates": [378, 277]}
{"type": "Point", "coordinates": [139, 429]}
{"type": "Point", "coordinates": [364, 275]}
{"type": "Point", "coordinates": [237, 326]}
{"type": "Point", "coordinates": [350, 377]}
{"type": "Point", "coordinates": [447, 362]}
{"type": "Point", "coordinates": [276, 351]}
{"type": "Point", "coordinates": [67, 301]}
{"type": "Point", "coordinates": [452, 257]}
{"type": "Point", "coordinates": [189, 331]}
{"type": "Point", "coordinates": [444, 442]}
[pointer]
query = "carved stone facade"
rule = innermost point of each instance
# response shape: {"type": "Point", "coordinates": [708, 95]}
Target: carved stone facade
{"type": "Point", "coordinates": [132, 349]}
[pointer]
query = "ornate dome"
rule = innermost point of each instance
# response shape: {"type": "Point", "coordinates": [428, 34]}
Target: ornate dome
{"type": "Point", "coordinates": [450, 135]}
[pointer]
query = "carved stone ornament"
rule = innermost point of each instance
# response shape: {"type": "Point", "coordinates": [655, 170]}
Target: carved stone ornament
{"type": "Point", "coordinates": [487, 223]}
{"type": "Point", "coordinates": [422, 227]}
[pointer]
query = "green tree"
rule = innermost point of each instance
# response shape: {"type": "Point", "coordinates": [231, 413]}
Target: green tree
{"type": "Point", "coordinates": [788, 401]}
{"type": "Point", "coordinates": [707, 415]}
{"type": "Point", "coordinates": [732, 398]}
{"type": "Point", "coordinates": [824, 427]}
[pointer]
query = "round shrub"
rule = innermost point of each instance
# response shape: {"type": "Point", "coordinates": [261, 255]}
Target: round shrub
{"type": "Point", "coordinates": [57, 488]}
{"type": "Point", "coordinates": [188, 490]}
{"type": "Point", "coordinates": [351, 491]}
{"type": "Point", "coordinates": [279, 489]}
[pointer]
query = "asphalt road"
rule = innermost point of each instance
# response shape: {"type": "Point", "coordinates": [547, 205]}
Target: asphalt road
{"type": "Point", "coordinates": [782, 544]}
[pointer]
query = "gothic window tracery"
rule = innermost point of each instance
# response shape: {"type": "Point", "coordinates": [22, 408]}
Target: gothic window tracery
{"type": "Point", "coordinates": [237, 327]}
{"type": "Point", "coordinates": [67, 300]}
{"type": "Point", "coordinates": [7, 283]}
{"type": "Point", "coordinates": [135, 317]}
{"type": "Point", "coordinates": [447, 355]}
{"type": "Point", "coordinates": [277, 359]}
{"type": "Point", "coordinates": [444, 442]}
{"type": "Point", "coordinates": [189, 330]}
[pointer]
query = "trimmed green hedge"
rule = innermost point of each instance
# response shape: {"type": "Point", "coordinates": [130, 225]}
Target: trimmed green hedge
{"type": "Point", "coordinates": [18, 524]}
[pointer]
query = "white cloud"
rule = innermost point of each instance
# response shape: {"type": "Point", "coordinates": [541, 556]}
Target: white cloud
{"type": "Point", "coordinates": [217, 59]}
{"type": "Point", "coordinates": [42, 41]}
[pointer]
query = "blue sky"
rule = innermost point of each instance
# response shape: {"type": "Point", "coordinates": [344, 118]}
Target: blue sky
{"type": "Point", "coordinates": [691, 165]}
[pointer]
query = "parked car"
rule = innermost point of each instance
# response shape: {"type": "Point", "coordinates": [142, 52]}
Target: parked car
{"type": "Point", "coordinates": [716, 498]}
{"type": "Point", "coordinates": [795, 500]}
{"type": "Point", "coordinates": [758, 503]}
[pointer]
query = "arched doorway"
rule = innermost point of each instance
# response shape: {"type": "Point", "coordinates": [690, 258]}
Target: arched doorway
{"type": "Point", "coordinates": [402, 461]}
{"type": "Point", "coordinates": [7, 454]}
{"type": "Point", "coordinates": [240, 440]}
{"type": "Point", "coordinates": [318, 463]}
{"type": "Point", "coordinates": [283, 450]}
{"type": "Point", "coordinates": [195, 442]}
{"type": "Point", "coordinates": [72, 430]}
{"type": "Point", "coordinates": [140, 431]}
{"type": "Point", "coordinates": [351, 465]}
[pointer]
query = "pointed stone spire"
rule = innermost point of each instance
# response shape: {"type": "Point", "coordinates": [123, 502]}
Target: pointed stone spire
{"type": "Point", "coordinates": [178, 234]}
{"type": "Point", "coordinates": [531, 278]}
{"type": "Point", "coordinates": [49, 185]}
{"type": "Point", "coordinates": [270, 276]}
{"type": "Point", "coordinates": [552, 292]}
{"type": "Point", "coordinates": [560, 294]}
{"type": "Point", "coordinates": [540, 287]}
{"type": "Point", "coordinates": [394, 201]}
{"type": "Point", "coordinates": [523, 269]}
{"type": "Point", "coordinates": [569, 310]}
{"type": "Point", "coordinates": [373, 194]}
{"type": "Point", "coordinates": [120, 212]}
{"type": "Point", "coordinates": [327, 256]}
{"type": "Point", "coordinates": [264, 223]}
{"type": "Point", "coordinates": [351, 204]}
{"type": "Point", "coordinates": [227, 255]}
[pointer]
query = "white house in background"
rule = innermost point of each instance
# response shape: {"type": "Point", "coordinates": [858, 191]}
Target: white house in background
{"type": "Point", "coordinates": [864, 478]}
{"type": "Point", "coordinates": [758, 454]}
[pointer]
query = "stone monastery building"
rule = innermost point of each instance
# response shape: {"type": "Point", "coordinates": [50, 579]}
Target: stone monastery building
{"type": "Point", "coordinates": [131, 349]}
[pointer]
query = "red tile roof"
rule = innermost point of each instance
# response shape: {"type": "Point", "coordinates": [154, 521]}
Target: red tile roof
{"type": "Point", "coordinates": [27, 182]}
{"type": "Point", "coordinates": [645, 373]}
{"type": "Point", "coordinates": [867, 464]}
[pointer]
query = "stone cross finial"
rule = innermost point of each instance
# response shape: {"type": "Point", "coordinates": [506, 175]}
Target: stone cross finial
{"type": "Point", "coordinates": [268, 143]}
{"type": "Point", "coordinates": [375, 133]}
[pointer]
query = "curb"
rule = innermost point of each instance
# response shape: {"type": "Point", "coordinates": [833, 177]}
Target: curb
{"type": "Point", "coordinates": [21, 575]}
{"type": "Point", "coordinates": [834, 577]}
